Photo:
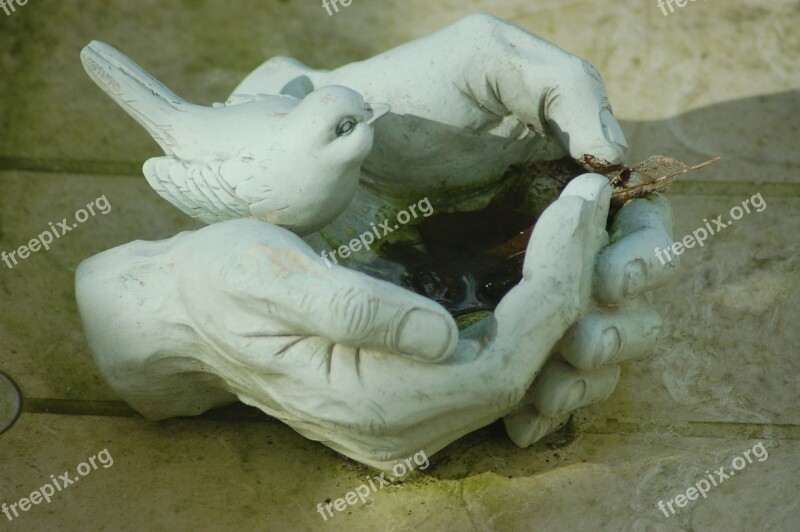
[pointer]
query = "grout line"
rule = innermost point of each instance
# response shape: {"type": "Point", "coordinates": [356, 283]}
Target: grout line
{"type": "Point", "coordinates": [66, 166]}
{"type": "Point", "coordinates": [74, 407]}
{"type": "Point", "coordinates": [77, 407]}
{"type": "Point", "coordinates": [242, 412]}
{"type": "Point", "coordinates": [735, 188]}
{"type": "Point", "coordinates": [696, 429]}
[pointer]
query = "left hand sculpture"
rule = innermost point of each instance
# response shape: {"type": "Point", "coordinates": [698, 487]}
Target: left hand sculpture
{"type": "Point", "coordinates": [244, 309]}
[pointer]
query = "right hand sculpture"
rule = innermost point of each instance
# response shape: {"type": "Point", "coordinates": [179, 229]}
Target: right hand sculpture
{"type": "Point", "coordinates": [467, 102]}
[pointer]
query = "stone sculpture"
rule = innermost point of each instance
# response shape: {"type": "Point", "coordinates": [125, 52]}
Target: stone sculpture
{"type": "Point", "coordinates": [244, 309]}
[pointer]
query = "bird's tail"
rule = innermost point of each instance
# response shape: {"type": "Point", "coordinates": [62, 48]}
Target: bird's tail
{"type": "Point", "coordinates": [147, 100]}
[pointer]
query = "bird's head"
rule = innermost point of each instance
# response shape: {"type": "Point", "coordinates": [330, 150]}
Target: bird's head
{"type": "Point", "coordinates": [336, 123]}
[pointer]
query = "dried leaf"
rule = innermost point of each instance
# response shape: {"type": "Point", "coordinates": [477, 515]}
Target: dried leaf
{"type": "Point", "coordinates": [653, 175]}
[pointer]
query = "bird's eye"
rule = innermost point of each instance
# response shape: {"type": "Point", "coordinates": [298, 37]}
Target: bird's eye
{"type": "Point", "coordinates": [345, 127]}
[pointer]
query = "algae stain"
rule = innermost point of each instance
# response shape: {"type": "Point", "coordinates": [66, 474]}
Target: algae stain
{"type": "Point", "coordinates": [563, 437]}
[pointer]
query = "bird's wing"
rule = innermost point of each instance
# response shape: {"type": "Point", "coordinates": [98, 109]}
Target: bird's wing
{"type": "Point", "coordinates": [200, 189]}
{"type": "Point", "coordinates": [261, 197]}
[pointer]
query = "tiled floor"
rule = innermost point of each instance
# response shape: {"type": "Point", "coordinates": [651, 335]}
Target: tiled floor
{"type": "Point", "coordinates": [713, 78]}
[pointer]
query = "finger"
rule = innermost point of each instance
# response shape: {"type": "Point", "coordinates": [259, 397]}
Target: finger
{"type": "Point", "coordinates": [561, 388]}
{"type": "Point", "coordinates": [558, 268]}
{"type": "Point", "coordinates": [548, 299]}
{"type": "Point", "coordinates": [527, 426]}
{"type": "Point", "coordinates": [596, 189]}
{"type": "Point", "coordinates": [553, 227]}
{"type": "Point", "coordinates": [639, 258]}
{"type": "Point", "coordinates": [564, 91]}
{"type": "Point", "coordinates": [611, 335]}
{"type": "Point", "coordinates": [579, 113]}
{"type": "Point", "coordinates": [272, 272]}
{"type": "Point", "coordinates": [555, 289]}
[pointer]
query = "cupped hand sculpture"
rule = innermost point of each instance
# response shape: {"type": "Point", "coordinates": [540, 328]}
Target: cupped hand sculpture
{"type": "Point", "coordinates": [244, 309]}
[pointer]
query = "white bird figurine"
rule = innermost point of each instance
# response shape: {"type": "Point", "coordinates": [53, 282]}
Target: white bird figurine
{"type": "Point", "coordinates": [288, 161]}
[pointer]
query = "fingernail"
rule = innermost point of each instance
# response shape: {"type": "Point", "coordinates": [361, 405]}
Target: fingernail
{"type": "Point", "coordinates": [611, 343]}
{"type": "Point", "coordinates": [612, 130]}
{"type": "Point", "coordinates": [425, 334]}
{"type": "Point", "coordinates": [573, 398]}
{"type": "Point", "coordinates": [634, 278]}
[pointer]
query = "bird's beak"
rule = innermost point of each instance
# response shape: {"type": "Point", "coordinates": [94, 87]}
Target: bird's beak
{"type": "Point", "coordinates": [378, 110]}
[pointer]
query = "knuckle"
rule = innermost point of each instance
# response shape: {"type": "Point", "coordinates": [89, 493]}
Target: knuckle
{"type": "Point", "coordinates": [580, 68]}
{"type": "Point", "coordinates": [574, 71]}
{"type": "Point", "coordinates": [356, 309]}
{"type": "Point", "coordinates": [480, 21]}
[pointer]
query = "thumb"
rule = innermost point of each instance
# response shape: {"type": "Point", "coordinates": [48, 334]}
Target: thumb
{"type": "Point", "coordinates": [278, 279]}
{"type": "Point", "coordinates": [356, 310]}
{"type": "Point", "coordinates": [558, 268]}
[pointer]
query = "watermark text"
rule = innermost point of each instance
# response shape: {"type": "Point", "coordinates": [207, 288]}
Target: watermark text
{"type": "Point", "coordinates": [328, 4]}
{"type": "Point", "coordinates": [701, 234]}
{"type": "Point", "coordinates": [703, 486]}
{"type": "Point", "coordinates": [664, 4]}
{"type": "Point", "coordinates": [56, 484]}
{"type": "Point", "coordinates": [366, 239]}
{"type": "Point", "coordinates": [56, 231]}
{"type": "Point", "coordinates": [400, 469]}
{"type": "Point", "coordinates": [8, 6]}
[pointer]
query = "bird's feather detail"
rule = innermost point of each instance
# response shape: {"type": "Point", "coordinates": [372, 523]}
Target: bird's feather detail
{"type": "Point", "coordinates": [196, 188]}
{"type": "Point", "coordinates": [142, 96]}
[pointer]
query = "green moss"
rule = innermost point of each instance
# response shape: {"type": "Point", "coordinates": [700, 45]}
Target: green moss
{"type": "Point", "coordinates": [468, 320]}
